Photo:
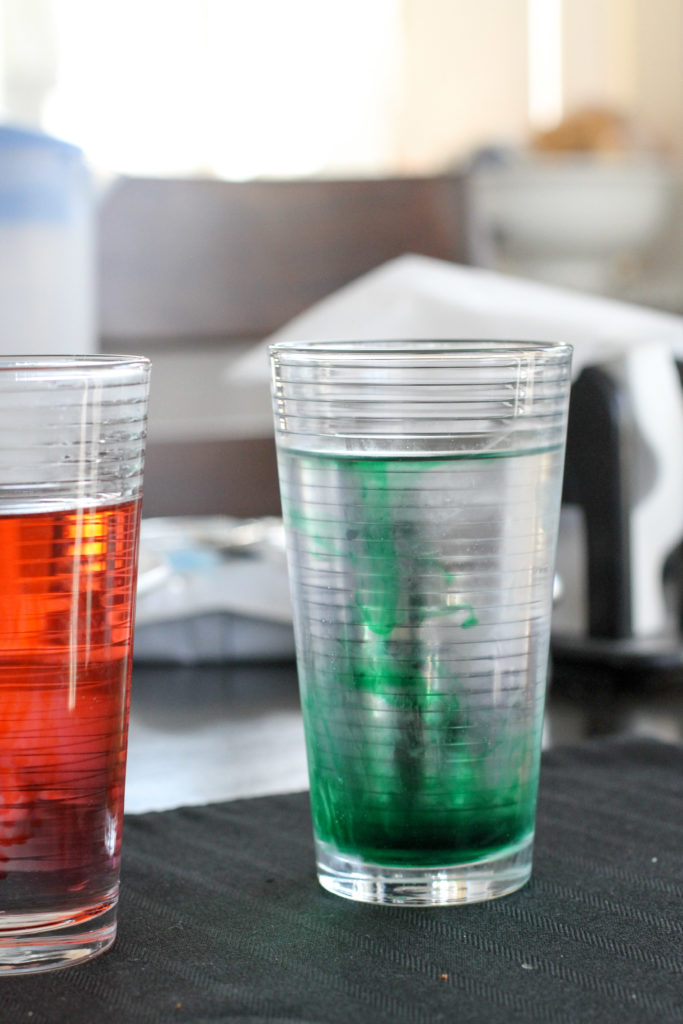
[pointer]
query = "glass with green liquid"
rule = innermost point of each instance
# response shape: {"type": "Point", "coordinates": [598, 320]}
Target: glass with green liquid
{"type": "Point", "coordinates": [420, 487]}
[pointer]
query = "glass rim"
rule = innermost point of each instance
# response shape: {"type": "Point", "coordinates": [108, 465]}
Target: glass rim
{"type": "Point", "coordinates": [95, 361]}
{"type": "Point", "coordinates": [407, 348]}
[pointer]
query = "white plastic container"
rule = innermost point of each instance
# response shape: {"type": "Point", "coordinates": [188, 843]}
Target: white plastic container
{"type": "Point", "coordinates": [47, 267]}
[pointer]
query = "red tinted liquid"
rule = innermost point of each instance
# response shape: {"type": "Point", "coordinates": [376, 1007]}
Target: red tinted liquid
{"type": "Point", "coordinates": [67, 586]}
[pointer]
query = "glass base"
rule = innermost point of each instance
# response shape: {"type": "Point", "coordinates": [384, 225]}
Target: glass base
{"type": "Point", "coordinates": [30, 943]}
{"type": "Point", "coordinates": [486, 879]}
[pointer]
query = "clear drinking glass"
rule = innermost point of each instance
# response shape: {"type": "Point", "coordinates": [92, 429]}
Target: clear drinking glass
{"type": "Point", "coordinates": [421, 487]}
{"type": "Point", "coordinates": [72, 439]}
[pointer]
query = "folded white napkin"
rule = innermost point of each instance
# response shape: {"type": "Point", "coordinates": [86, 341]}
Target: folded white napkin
{"type": "Point", "coordinates": [418, 297]}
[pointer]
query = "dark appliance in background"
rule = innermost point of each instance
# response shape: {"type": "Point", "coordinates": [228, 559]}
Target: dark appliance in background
{"type": "Point", "coordinates": [618, 614]}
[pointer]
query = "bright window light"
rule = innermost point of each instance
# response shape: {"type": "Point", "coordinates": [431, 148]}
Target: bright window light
{"type": "Point", "coordinates": [544, 36]}
{"type": "Point", "coordinates": [235, 88]}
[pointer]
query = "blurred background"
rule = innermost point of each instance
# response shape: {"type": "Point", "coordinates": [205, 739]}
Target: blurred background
{"type": "Point", "coordinates": [235, 91]}
{"type": "Point", "coordinates": [241, 90]}
{"type": "Point", "coordinates": [347, 89]}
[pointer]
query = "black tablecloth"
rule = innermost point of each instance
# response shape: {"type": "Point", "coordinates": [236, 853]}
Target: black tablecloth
{"type": "Point", "coordinates": [221, 919]}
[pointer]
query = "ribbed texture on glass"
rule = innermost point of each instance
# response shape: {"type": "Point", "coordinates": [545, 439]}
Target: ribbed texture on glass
{"type": "Point", "coordinates": [442, 397]}
{"type": "Point", "coordinates": [420, 486]}
{"type": "Point", "coordinates": [73, 430]}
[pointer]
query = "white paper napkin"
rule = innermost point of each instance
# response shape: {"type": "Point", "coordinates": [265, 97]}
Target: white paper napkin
{"type": "Point", "coordinates": [420, 297]}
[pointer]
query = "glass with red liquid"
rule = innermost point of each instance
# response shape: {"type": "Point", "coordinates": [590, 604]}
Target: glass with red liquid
{"type": "Point", "coordinates": [71, 461]}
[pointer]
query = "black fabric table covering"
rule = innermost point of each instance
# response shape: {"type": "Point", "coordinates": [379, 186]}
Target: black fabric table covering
{"type": "Point", "coordinates": [221, 919]}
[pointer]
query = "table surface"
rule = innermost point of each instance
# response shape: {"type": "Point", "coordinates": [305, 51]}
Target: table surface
{"type": "Point", "coordinates": [225, 731]}
{"type": "Point", "coordinates": [213, 733]}
{"type": "Point", "coordinates": [222, 919]}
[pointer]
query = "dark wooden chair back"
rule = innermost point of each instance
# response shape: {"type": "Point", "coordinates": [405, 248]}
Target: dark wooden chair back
{"type": "Point", "coordinates": [223, 264]}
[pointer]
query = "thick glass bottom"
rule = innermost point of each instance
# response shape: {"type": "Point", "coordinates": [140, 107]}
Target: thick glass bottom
{"type": "Point", "coordinates": [355, 879]}
{"type": "Point", "coordinates": [34, 942]}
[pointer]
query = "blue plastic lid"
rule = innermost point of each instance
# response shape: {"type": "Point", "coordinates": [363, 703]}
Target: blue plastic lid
{"type": "Point", "coordinates": [42, 178]}
{"type": "Point", "coordinates": [13, 135]}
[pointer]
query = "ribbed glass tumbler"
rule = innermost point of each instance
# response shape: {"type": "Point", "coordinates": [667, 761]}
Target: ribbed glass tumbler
{"type": "Point", "coordinates": [421, 487]}
{"type": "Point", "coordinates": [72, 441]}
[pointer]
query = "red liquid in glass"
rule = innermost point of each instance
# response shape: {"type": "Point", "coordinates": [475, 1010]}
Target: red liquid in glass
{"type": "Point", "coordinates": [67, 586]}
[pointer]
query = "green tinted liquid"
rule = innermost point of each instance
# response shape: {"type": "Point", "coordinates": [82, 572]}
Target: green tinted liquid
{"type": "Point", "coordinates": [404, 769]}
